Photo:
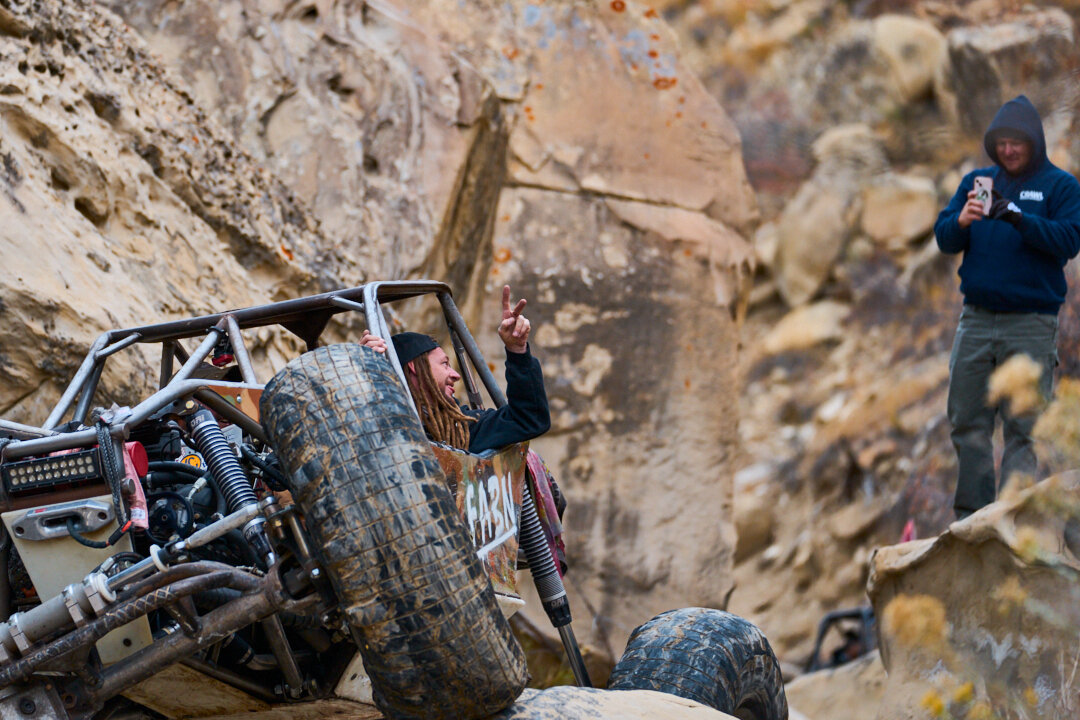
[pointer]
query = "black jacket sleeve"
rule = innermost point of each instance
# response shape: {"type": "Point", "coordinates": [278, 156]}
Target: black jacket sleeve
{"type": "Point", "coordinates": [525, 414]}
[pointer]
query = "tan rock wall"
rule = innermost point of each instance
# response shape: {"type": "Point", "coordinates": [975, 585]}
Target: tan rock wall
{"type": "Point", "coordinates": [123, 202]}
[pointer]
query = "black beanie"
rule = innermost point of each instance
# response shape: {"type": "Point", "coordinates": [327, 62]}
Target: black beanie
{"type": "Point", "coordinates": [411, 345]}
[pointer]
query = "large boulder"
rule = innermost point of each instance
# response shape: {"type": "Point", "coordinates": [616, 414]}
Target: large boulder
{"type": "Point", "coordinates": [807, 326]}
{"type": "Point", "coordinates": [915, 51]}
{"type": "Point", "coordinates": [848, 692]}
{"type": "Point", "coordinates": [572, 703]}
{"type": "Point", "coordinates": [993, 62]}
{"type": "Point", "coordinates": [981, 620]}
{"type": "Point", "coordinates": [898, 209]}
{"type": "Point", "coordinates": [815, 224]}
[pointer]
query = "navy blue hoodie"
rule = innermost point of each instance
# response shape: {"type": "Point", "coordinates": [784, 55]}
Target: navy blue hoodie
{"type": "Point", "coordinates": [1016, 269]}
{"type": "Point", "coordinates": [525, 414]}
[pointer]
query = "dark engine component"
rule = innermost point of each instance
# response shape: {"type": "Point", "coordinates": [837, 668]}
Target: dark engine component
{"type": "Point", "coordinates": [170, 517]}
{"type": "Point", "coordinates": [230, 477]}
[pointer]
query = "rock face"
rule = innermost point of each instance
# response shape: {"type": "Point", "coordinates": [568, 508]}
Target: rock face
{"type": "Point", "coordinates": [268, 149]}
{"type": "Point", "coordinates": [985, 65]}
{"type": "Point", "coordinates": [858, 121]}
{"type": "Point", "coordinates": [999, 638]}
{"type": "Point", "coordinates": [124, 202]}
{"type": "Point", "coordinates": [849, 692]}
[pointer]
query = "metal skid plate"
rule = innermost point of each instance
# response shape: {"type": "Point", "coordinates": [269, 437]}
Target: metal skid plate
{"type": "Point", "coordinates": [56, 561]}
{"type": "Point", "coordinates": [35, 702]}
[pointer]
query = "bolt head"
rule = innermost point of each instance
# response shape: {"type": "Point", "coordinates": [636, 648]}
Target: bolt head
{"type": "Point", "coordinates": [27, 706]}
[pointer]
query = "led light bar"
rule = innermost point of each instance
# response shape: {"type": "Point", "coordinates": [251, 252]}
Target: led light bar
{"type": "Point", "coordinates": [41, 473]}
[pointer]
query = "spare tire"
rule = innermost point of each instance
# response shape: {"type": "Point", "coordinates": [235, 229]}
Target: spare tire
{"type": "Point", "coordinates": [420, 606]}
{"type": "Point", "coordinates": [706, 655]}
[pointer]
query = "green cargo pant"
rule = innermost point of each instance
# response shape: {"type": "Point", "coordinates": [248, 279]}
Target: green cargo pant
{"type": "Point", "coordinates": [985, 340]}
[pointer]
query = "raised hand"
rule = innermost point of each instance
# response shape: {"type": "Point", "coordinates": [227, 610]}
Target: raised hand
{"type": "Point", "coordinates": [514, 328]}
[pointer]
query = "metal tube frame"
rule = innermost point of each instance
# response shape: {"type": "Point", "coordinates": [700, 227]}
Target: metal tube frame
{"type": "Point", "coordinates": [240, 351]}
{"type": "Point", "coordinates": [291, 314]}
{"type": "Point", "coordinates": [87, 396]}
{"type": "Point", "coordinates": [168, 354]}
{"type": "Point", "coordinates": [365, 298]}
{"type": "Point", "coordinates": [279, 645]}
{"type": "Point", "coordinates": [457, 324]}
{"type": "Point", "coordinates": [201, 353]}
{"type": "Point", "coordinates": [77, 382]}
{"type": "Point", "coordinates": [215, 626]}
{"type": "Point", "coordinates": [376, 322]}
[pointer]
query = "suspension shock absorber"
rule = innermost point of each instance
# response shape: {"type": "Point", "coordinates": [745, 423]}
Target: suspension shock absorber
{"type": "Point", "coordinates": [211, 443]}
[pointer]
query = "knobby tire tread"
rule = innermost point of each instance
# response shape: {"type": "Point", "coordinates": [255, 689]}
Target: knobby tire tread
{"type": "Point", "coordinates": [706, 655]}
{"type": "Point", "coordinates": [386, 528]}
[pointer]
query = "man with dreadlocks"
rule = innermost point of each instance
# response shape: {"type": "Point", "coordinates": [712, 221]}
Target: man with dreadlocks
{"type": "Point", "coordinates": [432, 379]}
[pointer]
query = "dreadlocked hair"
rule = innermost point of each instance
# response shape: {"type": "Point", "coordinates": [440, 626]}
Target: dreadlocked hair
{"type": "Point", "coordinates": [442, 418]}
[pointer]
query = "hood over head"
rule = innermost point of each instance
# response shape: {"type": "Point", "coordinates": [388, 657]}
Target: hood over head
{"type": "Point", "coordinates": [1018, 116]}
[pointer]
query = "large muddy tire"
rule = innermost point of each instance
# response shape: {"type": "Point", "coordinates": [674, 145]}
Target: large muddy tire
{"type": "Point", "coordinates": [420, 606]}
{"type": "Point", "coordinates": [710, 656]}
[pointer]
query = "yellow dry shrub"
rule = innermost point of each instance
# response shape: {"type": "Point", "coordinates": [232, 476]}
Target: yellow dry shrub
{"type": "Point", "coordinates": [917, 622]}
{"type": "Point", "coordinates": [980, 711]}
{"type": "Point", "coordinates": [1059, 425]}
{"type": "Point", "coordinates": [1028, 546]}
{"type": "Point", "coordinates": [1017, 380]}
{"type": "Point", "coordinates": [932, 701]}
{"type": "Point", "coordinates": [965, 693]}
{"type": "Point", "coordinates": [1010, 595]}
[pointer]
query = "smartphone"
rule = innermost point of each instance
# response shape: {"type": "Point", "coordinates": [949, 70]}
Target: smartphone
{"type": "Point", "coordinates": [984, 192]}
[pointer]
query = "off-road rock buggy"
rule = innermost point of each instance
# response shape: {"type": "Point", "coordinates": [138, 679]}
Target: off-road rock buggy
{"type": "Point", "coordinates": [227, 545]}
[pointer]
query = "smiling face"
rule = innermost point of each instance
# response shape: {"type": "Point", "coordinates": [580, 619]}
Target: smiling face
{"type": "Point", "coordinates": [1013, 152]}
{"type": "Point", "coordinates": [445, 375]}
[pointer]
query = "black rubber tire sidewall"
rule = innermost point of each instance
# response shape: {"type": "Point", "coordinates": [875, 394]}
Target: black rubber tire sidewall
{"type": "Point", "coordinates": [706, 655]}
{"type": "Point", "coordinates": [419, 603]}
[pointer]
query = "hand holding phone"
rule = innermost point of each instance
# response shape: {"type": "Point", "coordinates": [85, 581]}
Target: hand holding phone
{"type": "Point", "coordinates": [984, 192]}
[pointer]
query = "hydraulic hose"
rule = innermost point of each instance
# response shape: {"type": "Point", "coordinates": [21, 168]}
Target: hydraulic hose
{"type": "Point", "coordinates": [542, 566]}
{"type": "Point", "coordinates": [231, 481]}
{"type": "Point", "coordinates": [549, 583]}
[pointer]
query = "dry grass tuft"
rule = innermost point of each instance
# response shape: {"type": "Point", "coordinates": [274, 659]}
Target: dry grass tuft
{"type": "Point", "coordinates": [1017, 381]}
{"type": "Point", "coordinates": [917, 621]}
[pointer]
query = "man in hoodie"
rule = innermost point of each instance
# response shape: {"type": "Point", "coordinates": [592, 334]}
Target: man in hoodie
{"type": "Point", "coordinates": [1013, 282]}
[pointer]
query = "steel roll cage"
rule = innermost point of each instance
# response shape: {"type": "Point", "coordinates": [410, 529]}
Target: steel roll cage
{"type": "Point", "coordinates": [305, 317]}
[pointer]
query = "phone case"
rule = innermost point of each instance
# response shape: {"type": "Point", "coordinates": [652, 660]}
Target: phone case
{"type": "Point", "coordinates": [984, 192]}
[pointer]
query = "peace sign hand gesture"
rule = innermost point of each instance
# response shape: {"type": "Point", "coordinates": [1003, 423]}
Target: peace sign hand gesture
{"type": "Point", "coordinates": [514, 328]}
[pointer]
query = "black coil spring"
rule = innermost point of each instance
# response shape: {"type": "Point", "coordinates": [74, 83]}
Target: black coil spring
{"type": "Point", "coordinates": [211, 443]}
